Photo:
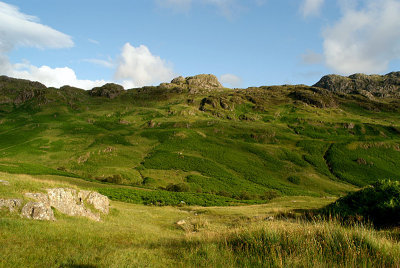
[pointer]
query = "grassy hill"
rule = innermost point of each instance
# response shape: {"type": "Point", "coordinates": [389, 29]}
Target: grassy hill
{"type": "Point", "coordinates": [237, 167]}
{"type": "Point", "coordinates": [247, 144]}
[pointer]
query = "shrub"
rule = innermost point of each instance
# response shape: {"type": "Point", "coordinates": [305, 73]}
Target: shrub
{"type": "Point", "coordinates": [294, 179]}
{"type": "Point", "coordinates": [378, 203]}
{"type": "Point", "coordinates": [148, 180]}
{"type": "Point", "coordinates": [180, 187]}
{"type": "Point", "coordinates": [117, 179]}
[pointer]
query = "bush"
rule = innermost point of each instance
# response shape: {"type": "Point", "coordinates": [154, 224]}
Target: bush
{"type": "Point", "coordinates": [378, 203]}
{"type": "Point", "coordinates": [148, 180]}
{"type": "Point", "coordinates": [117, 179]}
{"type": "Point", "coordinates": [269, 195]}
{"type": "Point", "coordinates": [180, 187]}
{"type": "Point", "coordinates": [294, 179]}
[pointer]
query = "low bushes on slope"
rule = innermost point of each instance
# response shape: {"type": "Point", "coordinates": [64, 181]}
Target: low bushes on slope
{"type": "Point", "coordinates": [378, 203]}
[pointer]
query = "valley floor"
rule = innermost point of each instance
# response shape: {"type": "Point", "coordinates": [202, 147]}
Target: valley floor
{"type": "Point", "coordinates": [149, 236]}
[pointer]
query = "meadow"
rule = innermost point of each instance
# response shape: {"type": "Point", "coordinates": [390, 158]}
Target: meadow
{"type": "Point", "coordinates": [135, 235]}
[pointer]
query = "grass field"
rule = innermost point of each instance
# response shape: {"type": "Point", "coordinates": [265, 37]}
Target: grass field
{"type": "Point", "coordinates": [134, 235]}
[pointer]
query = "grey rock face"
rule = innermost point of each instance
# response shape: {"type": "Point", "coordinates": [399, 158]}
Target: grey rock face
{"type": "Point", "coordinates": [195, 84]}
{"type": "Point", "coordinates": [98, 201]}
{"type": "Point", "coordinates": [11, 204]}
{"type": "Point", "coordinates": [179, 80]}
{"type": "Point", "coordinates": [72, 203]}
{"type": "Point", "coordinates": [368, 85]}
{"type": "Point", "coordinates": [37, 211]}
{"type": "Point", "coordinates": [109, 90]}
{"type": "Point", "coordinates": [206, 81]}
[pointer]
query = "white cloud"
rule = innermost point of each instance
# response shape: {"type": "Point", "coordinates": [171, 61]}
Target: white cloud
{"type": "Point", "coordinates": [52, 77]}
{"type": "Point", "coordinates": [18, 29]}
{"type": "Point", "coordinates": [364, 39]}
{"type": "Point", "coordinates": [139, 67]}
{"type": "Point", "coordinates": [231, 80]}
{"type": "Point", "coordinates": [104, 63]}
{"type": "Point", "coordinates": [311, 57]}
{"type": "Point", "coordinates": [311, 7]}
{"type": "Point", "coordinates": [93, 41]}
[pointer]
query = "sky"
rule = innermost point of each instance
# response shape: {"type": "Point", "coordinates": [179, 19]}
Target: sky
{"type": "Point", "coordinates": [243, 42]}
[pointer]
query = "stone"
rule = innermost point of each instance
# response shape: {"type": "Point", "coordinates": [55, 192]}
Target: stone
{"type": "Point", "coordinates": [37, 211]}
{"type": "Point", "coordinates": [109, 90]}
{"type": "Point", "coordinates": [369, 86]}
{"type": "Point", "coordinates": [206, 81]}
{"type": "Point", "coordinates": [98, 201]}
{"type": "Point", "coordinates": [181, 222]}
{"type": "Point", "coordinates": [11, 204]}
{"type": "Point", "coordinates": [178, 80]}
{"type": "Point", "coordinates": [72, 202]}
{"type": "Point", "coordinates": [4, 182]}
{"type": "Point", "coordinates": [66, 201]}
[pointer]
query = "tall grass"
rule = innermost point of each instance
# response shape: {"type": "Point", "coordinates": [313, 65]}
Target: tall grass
{"type": "Point", "coordinates": [300, 244]}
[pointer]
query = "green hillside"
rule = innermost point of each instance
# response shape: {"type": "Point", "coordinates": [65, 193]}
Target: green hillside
{"type": "Point", "coordinates": [206, 143]}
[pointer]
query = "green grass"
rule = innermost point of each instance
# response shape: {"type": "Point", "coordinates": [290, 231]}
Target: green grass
{"type": "Point", "coordinates": [135, 235]}
{"type": "Point", "coordinates": [247, 150]}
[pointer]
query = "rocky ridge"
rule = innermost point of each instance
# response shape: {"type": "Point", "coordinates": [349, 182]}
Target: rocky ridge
{"type": "Point", "coordinates": [195, 84]}
{"type": "Point", "coordinates": [381, 86]}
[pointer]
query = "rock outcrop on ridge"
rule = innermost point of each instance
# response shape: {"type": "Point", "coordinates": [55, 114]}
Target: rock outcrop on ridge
{"type": "Point", "coordinates": [195, 83]}
{"type": "Point", "coordinates": [368, 85]}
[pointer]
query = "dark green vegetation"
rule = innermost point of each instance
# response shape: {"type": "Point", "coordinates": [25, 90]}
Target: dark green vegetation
{"type": "Point", "coordinates": [378, 203]}
{"type": "Point", "coordinates": [201, 145]}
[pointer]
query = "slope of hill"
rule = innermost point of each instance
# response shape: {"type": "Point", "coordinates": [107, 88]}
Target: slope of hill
{"type": "Point", "coordinates": [192, 135]}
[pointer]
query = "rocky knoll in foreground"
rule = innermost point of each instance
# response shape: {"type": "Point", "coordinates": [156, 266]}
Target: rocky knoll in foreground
{"type": "Point", "coordinates": [369, 85]}
{"type": "Point", "coordinates": [67, 201]}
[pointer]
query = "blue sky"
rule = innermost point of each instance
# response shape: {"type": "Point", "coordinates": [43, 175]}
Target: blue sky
{"type": "Point", "coordinates": [244, 43]}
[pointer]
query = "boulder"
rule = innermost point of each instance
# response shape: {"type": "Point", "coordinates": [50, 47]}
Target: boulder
{"type": "Point", "coordinates": [206, 81]}
{"type": "Point", "coordinates": [98, 201]}
{"type": "Point", "coordinates": [4, 182]}
{"type": "Point", "coordinates": [195, 84]}
{"type": "Point", "coordinates": [109, 90]}
{"type": "Point", "coordinates": [72, 202]}
{"type": "Point", "coordinates": [11, 204]}
{"type": "Point", "coordinates": [67, 202]}
{"type": "Point", "coordinates": [178, 80]}
{"type": "Point", "coordinates": [37, 211]}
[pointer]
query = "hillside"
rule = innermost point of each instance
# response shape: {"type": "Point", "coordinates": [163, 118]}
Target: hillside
{"type": "Point", "coordinates": [206, 142]}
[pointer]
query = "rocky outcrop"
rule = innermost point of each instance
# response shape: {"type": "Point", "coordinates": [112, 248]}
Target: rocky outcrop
{"type": "Point", "coordinates": [195, 84]}
{"type": "Point", "coordinates": [109, 90]}
{"type": "Point", "coordinates": [72, 202]}
{"type": "Point", "coordinates": [37, 211]}
{"type": "Point", "coordinates": [206, 81]}
{"type": "Point", "coordinates": [367, 85]}
{"type": "Point", "coordinates": [18, 91]}
{"type": "Point", "coordinates": [11, 204]}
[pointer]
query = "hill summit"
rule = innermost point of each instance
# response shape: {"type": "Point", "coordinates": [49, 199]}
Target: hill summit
{"type": "Point", "coordinates": [369, 85]}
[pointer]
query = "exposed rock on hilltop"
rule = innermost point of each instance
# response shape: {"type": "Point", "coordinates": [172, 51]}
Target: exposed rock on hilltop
{"type": "Point", "coordinates": [368, 85]}
{"type": "Point", "coordinates": [206, 81]}
{"type": "Point", "coordinates": [109, 90]}
{"type": "Point", "coordinates": [19, 90]}
{"type": "Point", "coordinates": [193, 83]}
